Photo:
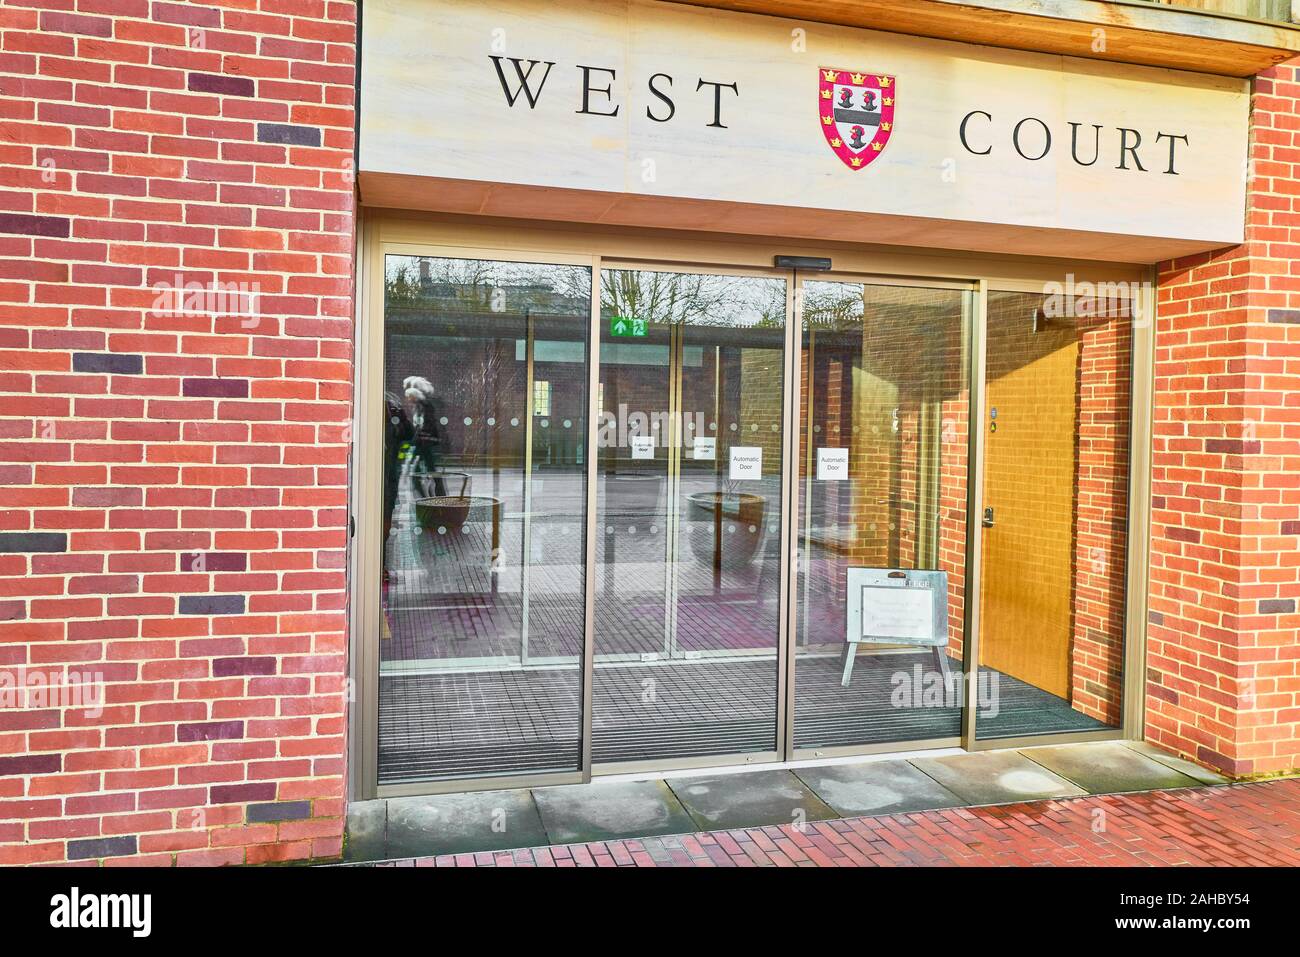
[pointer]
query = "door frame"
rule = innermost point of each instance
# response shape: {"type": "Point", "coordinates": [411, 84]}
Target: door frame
{"type": "Point", "coordinates": [676, 349]}
{"type": "Point", "coordinates": [778, 752]}
{"type": "Point", "coordinates": [383, 231]}
{"type": "Point", "coordinates": [971, 319]}
{"type": "Point", "coordinates": [1137, 526]}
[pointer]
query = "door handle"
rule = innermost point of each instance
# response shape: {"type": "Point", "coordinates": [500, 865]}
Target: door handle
{"type": "Point", "coordinates": [988, 517]}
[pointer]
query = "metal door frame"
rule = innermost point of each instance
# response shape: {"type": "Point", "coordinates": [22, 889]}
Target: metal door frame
{"type": "Point", "coordinates": [1137, 527]}
{"type": "Point", "coordinates": [381, 233]}
{"type": "Point", "coordinates": [726, 759]}
{"type": "Point", "coordinates": [802, 489]}
{"type": "Point", "coordinates": [366, 558]}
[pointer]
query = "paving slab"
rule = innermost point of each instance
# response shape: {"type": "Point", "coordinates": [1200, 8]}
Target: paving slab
{"type": "Point", "coordinates": [996, 777]}
{"type": "Point", "coordinates": [610, 810]}
{"type": "Point", "coordinates": [1107, 767]}
{"type": "Point", "coordinates": [461, 823]}
{"type": "Point", "coordinates": [749, 799]}
{"type": "Point", "coordinates": [366, 824]}
{"type": "Point", "coordinates": [877, 787]}
{"type": "Point", "coordinates": [1189, 768]}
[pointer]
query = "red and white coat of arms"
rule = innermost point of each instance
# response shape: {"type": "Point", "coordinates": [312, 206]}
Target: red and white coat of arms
{"type": "Point", "coordinates": [856, 114]}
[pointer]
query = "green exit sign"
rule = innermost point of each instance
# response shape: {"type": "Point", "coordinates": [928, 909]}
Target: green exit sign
{"type": "Point", "coordinates": [627, 327]}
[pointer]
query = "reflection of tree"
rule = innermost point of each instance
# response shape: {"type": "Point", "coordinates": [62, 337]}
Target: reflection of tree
{"type": "Point", "coordinates": [461, 321]}
{"type": "Point", "coordinates": [471, 285]}
{"type": "Point", "coordinates": [478, 389]}
{"type": "Point", "coordinates": [837, 307]}
{"type": "Point", "coordinates": [694, 298]}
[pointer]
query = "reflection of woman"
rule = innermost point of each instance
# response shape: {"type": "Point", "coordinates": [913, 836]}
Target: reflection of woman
{"type": "Point", "coordinates": [426, 434]}
{"type": "Point", "coordinates": [397, 431]}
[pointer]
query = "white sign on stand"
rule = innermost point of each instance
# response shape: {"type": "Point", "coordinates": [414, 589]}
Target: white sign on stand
{"type": "Point", "coordinates": [894, 613]}
{"type": "Point", "coordinates": [643, 446]}
{"type": "Point", "coordinates": [705, 448]}
{"type": "Point", "coordinates": [746, 462]}
{"type": "Point", "coordinates": [894, 606]}
{"type": "Point", "coordinates": [832, 465]}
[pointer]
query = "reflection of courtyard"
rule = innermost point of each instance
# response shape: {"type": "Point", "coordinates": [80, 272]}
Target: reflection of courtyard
{"type": "Point", "coordinates": [446, 598]}
{"type": "Point", "coordinates": [461, 695]}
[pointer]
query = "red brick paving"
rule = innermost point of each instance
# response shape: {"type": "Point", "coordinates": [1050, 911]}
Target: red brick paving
{"type": "Point", "coordinates": [1240, 825]}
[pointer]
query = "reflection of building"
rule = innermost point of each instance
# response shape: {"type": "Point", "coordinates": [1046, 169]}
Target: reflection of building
{"type": "Point", "coordinates": [470, 341]}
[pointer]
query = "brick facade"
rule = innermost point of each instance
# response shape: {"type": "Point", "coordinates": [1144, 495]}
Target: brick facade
{"type": "Point", "coordinates": [173, 516]}
{"type": "Point", "coordinates": [1223, 656]}
{"type": "Point", "coordinates": [176, 260]}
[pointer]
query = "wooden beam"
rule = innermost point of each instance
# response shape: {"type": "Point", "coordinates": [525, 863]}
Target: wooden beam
{"type": "Point", "coordinates": [1125, 32]}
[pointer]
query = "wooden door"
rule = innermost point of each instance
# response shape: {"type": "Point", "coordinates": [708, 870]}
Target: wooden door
{"type": "Point", "coordinates": [1029, 480]}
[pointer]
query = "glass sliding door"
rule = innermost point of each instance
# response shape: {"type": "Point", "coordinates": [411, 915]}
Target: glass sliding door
{"type": "Point", "coordinates": [881, 583]}
{"type": "Point", "coordinates": [482, 597]}
{"type": "Point", "coordinates": [688, 564]}
{"type": "Point", "coordinates": [1058, 399]}
{"type": "Point", "coordinates": [768, 477]}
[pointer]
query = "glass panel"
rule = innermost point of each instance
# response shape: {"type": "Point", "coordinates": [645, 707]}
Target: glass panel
{"type": "Point", "coordinates": [883, 471]}
{"type": "Point", "coordinates": [485, 379]}
{"type": "Point", "coordinates": [688, 562]}
{"type": "Point", "coordinates": [1056, 496]}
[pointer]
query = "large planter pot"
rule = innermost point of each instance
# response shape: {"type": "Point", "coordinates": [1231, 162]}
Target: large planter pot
{"type": "Point", "coordinates": [726, 528]}
{"type": "Point", "coordinates": [448, 514]}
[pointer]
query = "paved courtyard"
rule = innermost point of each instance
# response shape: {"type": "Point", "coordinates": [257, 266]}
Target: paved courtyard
{"type": "Point", "coordinates": [1239, 825]}
{"type": "Point", "coordinates": [1113, 803]}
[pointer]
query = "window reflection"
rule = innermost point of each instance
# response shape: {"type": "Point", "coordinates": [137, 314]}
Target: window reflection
{"type": "Point", "coordinates": [883, 478]}
{"type": "Point", "coordinates": [1058, 399]}
{"type": "Point", "coordinates": [688, 550]}
{"type": "Point", "coordinates": [484, 510]}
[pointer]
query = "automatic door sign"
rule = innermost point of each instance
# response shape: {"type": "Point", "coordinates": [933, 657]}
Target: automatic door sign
{"type": "Point", "coordinates": [832, 465]}
{"type": "Point", "coordinates": [643, 446]}
{"type": "Point", "coordinates": [746, 462]}
{"type": "Point", "coordinates": [705, 448]}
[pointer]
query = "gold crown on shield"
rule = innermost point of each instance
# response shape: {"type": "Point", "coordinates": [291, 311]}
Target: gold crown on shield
{"type": "Point", "coordinates": [831, 75]}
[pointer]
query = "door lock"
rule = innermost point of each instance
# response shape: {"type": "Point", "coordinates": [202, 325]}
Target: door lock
{"type": "Point", "coordinates": [988, 517]}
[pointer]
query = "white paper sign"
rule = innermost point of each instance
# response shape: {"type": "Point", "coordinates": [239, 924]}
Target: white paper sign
{"type": "Point", "coordinates": [832, 465]}
{"type": "Point", "coordinates": [746, 462]}
{"type": "Point", "coordinates": [643, 446]}
{"type": "Point", "coordinates": [706, 447]}
{"type": "Point", "coordinates": [904, 613]}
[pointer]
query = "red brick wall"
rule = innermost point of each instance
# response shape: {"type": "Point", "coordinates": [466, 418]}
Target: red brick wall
{"type": "Point", "coordinates": [1104, 404]}
{"type": "Point", "coordinates": [1223, 648]}
{"type": "Point", "coordinates": [174, 501]}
